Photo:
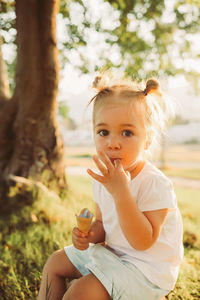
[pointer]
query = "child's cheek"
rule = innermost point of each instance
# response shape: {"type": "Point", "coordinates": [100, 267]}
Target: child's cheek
{"type": "Point", "coordinates": [99, 144]}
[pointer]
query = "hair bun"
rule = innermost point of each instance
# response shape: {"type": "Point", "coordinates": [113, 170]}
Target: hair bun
{"type": "Point", "coordinates": [101, 82]}
{"type": "Point", "coordinates": [152, 86]}
{"type": "Point", "coordinates": [96, 82]}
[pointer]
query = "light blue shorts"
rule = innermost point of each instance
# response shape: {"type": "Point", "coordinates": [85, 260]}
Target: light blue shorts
{"type": "Point", "coordinates": [121, 279]}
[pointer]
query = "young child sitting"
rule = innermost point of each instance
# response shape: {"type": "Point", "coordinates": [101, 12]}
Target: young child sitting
{"type": "Point", "coordinates": [137, 216]}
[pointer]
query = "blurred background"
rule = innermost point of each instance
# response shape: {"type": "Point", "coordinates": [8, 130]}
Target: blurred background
{"type": "Point", "coordinates": [50, 53]}
{"type": "Point", "coordinates": [142, 39]}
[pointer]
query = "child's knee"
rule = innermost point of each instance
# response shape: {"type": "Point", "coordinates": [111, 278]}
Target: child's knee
{"type": "Point", "coordinates": [58, 264]}
{"type": "Point", "coordinates": [75, 294]}
{"type": "Point", "coordinates": [52, 262]}
{"type": "Point", "coordinates": [86, 288]}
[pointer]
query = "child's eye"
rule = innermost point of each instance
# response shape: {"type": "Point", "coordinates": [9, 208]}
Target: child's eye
{"type": "Point", "coordinates": [103, 132]}
{"type": "Point", "coordinates": [127, 133]}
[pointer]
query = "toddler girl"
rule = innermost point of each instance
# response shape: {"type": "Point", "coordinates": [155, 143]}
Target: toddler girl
{"type": "Point", "coordinates": [134, 247]}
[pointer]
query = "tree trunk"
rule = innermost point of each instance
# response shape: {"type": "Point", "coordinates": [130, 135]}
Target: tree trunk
{"type": "Point", "coordinates": [30, 142]}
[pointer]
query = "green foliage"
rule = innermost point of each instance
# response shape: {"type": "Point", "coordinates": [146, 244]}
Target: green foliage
{"type": "Point", "coordinates": [137, 49]}
{"type": "Point", "coordinates": [6, 5]}
{"type": "Point", "coordinates": [146, 35]}
{"type": "Point", "coordinates": [183, 172]}
{"type": "Point", "coordinates": [8, 34]}
{"type": "Point", "coordinates": [7, 19]}
{"type": "Point", "coordinates": [63, 110]}
{"type": "Point", "coordinates": [11, 71]}
{"type": "Point", "coordinates": [149, 34]}
{"type": "Point", "coordinates": [64, 8]}
{"type": "Point", "coordinates": [48, 289]}
{"type": "Point", "coordinates": [187, 286]}
{"type": "Point", "coordinates": [178, 119]}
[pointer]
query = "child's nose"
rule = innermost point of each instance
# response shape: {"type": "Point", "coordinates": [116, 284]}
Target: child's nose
{"type": "Point", "coordinates": [113, 143]}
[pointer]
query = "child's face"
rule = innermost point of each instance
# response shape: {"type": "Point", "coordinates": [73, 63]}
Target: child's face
{"type": "Point", "coordinates": [119, 130]}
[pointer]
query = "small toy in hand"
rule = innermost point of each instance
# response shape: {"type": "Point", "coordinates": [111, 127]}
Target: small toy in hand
{"type": "Point", "coordinates": [84, 220]}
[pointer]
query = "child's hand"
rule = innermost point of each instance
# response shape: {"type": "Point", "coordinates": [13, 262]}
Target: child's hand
{"type": "Point", "coordinates": [114, 177]}
{"type": "Point", "coordinates": [80, 240]}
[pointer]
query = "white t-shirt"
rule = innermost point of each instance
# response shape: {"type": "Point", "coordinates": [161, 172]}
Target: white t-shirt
{"type": "Point", "coordinates": [152, 190]}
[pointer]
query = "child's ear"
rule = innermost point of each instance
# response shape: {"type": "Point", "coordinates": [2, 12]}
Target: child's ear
{"type": "Point", "coordinates": [147, 144]}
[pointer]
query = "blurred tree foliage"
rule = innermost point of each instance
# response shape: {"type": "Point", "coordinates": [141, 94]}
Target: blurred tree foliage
{"type": "Point", "coordinates": [150, 37]}
{"type": "Point", "coordinates": [153, 37]}
{"type": "Point", "coordinates": [63, 110]}
{"type": "Point", "coordinates": [8, 33]}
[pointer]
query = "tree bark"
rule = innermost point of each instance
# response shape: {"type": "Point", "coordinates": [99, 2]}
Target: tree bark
{"type": "Point", "coordinates": [30, 142]}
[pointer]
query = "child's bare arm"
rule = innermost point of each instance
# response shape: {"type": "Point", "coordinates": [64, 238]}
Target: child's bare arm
{"type": "Point", "coordinates": [140, 228]}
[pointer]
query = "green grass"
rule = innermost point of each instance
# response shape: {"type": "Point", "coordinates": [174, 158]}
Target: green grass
{"type": "Point", "coordinates": [188, 284]}
{"type": "Point", "coordinates": [183, 173]}
{"type": "Point", "coordinates": [30, 234]}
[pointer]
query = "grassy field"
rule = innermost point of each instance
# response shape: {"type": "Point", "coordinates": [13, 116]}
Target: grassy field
{"type": "Point", "coordinates": [183, 173]}
{"type": "Point", "coordinates": [30, 234]}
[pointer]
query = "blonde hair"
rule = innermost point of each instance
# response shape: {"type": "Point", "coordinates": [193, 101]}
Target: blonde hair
{"type": "Point", "coordinates": [158, 110]}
